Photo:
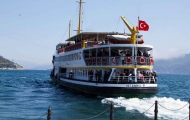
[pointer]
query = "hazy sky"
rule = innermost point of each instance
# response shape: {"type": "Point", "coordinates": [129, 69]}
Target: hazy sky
{"type": "Point", "coordinates": [30, 29]}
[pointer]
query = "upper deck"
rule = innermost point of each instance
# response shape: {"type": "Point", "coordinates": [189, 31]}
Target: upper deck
{"type": "Point", "coordinates": [92, 39]}
{"type": "Point", "coordinates": [103, 49]}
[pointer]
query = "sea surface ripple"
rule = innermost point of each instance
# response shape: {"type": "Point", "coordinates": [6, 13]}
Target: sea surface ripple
{"type": "Point", "coordinates": [27, 94]}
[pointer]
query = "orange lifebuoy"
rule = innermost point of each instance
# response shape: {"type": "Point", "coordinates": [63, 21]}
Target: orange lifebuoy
{"type": "Point", "coordinates": [114, 60]}
{"type": "Point", "coordinates": [142, 60]}
{"type": "Point", "coordinates": [151, 61]}
{"type": "Point", "coordinates": [128, 60]}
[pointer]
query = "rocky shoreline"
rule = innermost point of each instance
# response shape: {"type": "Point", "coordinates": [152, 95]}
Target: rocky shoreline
{"type": "Point", "coordinates": [6, 64]}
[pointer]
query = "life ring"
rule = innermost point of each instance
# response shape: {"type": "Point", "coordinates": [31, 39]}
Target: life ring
{"type": "Point", "coordinates": [128, 60]}
{"type": "Point", "coordinates": [151, 61]}
{"type": "Point", "coordinates": [114, 60]}
{"type": "Point", "coordinates": [142, 60]}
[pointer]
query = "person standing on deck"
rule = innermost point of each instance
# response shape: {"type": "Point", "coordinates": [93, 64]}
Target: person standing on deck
{"type": "Point", "coordinates": [130, 77]}
{"type": "Point", "coordinates": [145, 53]}
{"type": "Point", "coordinates": [122, 56]}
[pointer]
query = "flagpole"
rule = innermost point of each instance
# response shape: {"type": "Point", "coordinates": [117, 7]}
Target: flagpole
{"type": "Point", "coordinates": [135, 69]}
{"type": "Point", "coordinates": [136, 44]}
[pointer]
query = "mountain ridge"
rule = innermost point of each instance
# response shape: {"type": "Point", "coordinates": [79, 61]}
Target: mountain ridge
{"type": "Point", "coordinates": [177, 65]}
{"type": "Point", "coordinates": [7, 64]}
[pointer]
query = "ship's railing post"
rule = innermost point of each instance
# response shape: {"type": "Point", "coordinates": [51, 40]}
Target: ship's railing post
{"type": "Point", "coordinates": [111, 111]}
{"type": "Point", "coordinates": [189, 109]}
{"type": "Point", "coordinates": [49, 114]}
{"type": "Point", "coordinates": [156, 110]}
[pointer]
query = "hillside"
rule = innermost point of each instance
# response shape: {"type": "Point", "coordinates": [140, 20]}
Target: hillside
{"type": "Point", "coordinates": [179, 65]}
{"type": "Point", "coordinates": [7, 64]}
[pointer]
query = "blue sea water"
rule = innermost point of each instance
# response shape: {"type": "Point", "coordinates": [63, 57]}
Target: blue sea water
{"type": "Point", "coordinates": [27, 94]}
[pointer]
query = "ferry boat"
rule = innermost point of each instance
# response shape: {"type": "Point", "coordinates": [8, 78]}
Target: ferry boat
{"type": "Point", "coordinates": [105, 63]}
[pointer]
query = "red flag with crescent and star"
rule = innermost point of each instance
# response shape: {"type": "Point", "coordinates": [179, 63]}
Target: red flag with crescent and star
{"type": "Point", "coordinates": [143, 26]}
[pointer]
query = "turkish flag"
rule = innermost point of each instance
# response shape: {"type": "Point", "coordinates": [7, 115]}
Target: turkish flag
{"type": "Point", "coordinates": [143, 26]}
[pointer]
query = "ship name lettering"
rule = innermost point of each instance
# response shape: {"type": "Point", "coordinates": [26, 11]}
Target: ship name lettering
{"type": "Point", "coordinates": [133, 85]}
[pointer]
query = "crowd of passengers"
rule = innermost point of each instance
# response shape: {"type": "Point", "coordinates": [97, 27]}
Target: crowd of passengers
{"type": "Point", "coordinates": [125, 76]}
{"type": "Point", "coordinates": [117, 53]}
{"type": "Point", "coordinates": [104, 52]}
{"type": "Point", "coordinates": [95, 42]}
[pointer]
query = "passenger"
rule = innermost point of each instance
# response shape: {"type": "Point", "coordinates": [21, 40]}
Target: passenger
{"type": "Point", "coordinates": [128, 54]}
{"type": "Point", "coordinates": [98, 55]}
{"type": "Point", "coordinates": [79, 40]}
{"type": "Point", "coordinates": [106, 40]}
{"type": "Point", "coordinates": [96, 76]}
{"type": "Point", "coordinates": [105, 76]}
{"type": "Point", "coordinates": [155, 76]}
{"type": "Point", "coordinates": [68, 44]}
{"type": "Point", "coordinates": [102, 42]}
{"type": "Point", "coordinates": [109, 72]}
{"type": "Point", "coordinates": [145, 53]}
{"type": "Point", "coordinates": [90, 74]}
{"type": "Point", "coordinates": [107, 52]}
{"type": "Point", "coordinates": [138, 75]}
{"type": "Point", "coordinates": [99, 76]}
{"type": "Point", "coordinates": [71, 74]}
{"type": "Point", "coordinates": [102, 53]}
{"type": "Point", "coordinates": [114, 75]}
{"type": "Point", "coordinates": [122, 56]}
{"type": "Point", "coordinates": [142, 77]}
{"type": "Point", "coordinates": [126, 73]}
{"type": "Point", "coordinates": [130, 77]}
{"type": "Point", "coordinates": [133, 76]}
{"type": "Point", "coordinates": [124, 77]}
{"type": "Point", "coordinates": [120, 78]}
{"type": "Point", "coordinates": [117, 77]}
{"type": "Point", "coordinates": [150, 77]}
{"type": "Point", "coordinates": [144, 73]}
{"type": "Point", "coordinates": [95, 41]}
{"type": "Point", "coordinates": [139, 53]}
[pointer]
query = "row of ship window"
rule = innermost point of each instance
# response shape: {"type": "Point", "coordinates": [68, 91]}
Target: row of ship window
{"type": "Point", "coordinates": [75, 56]}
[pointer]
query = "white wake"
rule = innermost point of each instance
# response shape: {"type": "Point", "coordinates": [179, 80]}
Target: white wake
{"type": "Point", "coordinates": [142, 105]}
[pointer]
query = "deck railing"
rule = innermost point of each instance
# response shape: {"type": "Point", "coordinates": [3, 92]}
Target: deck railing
{"type": "Point", "coordinates": [113, 79]}
{"type": "Point", "coordinates": [119, 60]}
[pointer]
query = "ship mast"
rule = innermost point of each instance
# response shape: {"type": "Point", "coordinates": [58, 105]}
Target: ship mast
{"type": "Point", "coordinates": [69, 28]}
{"type": "Point", "coordinates": [80, 12]}
{"type": "Point", "coordinates": [70, 31]}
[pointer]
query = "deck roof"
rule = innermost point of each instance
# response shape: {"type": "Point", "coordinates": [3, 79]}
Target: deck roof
{"type": "Point", "coordinates": [90, 35]}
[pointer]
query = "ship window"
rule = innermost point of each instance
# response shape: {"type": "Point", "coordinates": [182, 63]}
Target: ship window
{"type": "Point", "coordinates": [79, 55]}
{"type": "Point", "coordinates": [75, 55]}
{"type": "Point", "coordinates": [69, 57]}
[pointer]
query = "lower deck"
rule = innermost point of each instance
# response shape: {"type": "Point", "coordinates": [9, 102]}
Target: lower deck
{"type": "Point", "coordinates": [106, 75]}
{"type": "Point", "coordinates": [107, 89]}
